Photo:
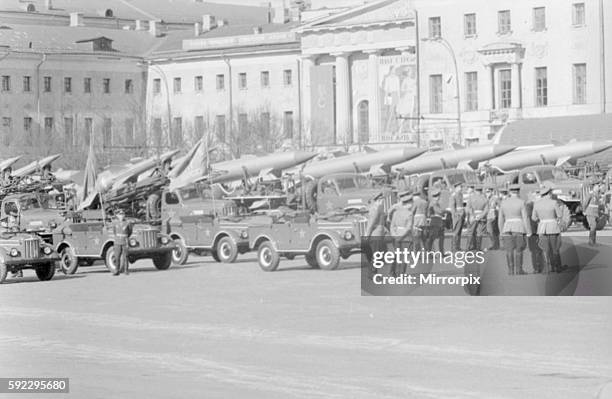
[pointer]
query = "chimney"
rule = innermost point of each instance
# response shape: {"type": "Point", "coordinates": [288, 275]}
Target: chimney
{"type": "Point", "coordinates": [139, 25]}
{"type": "Point", "coordinates": [280, 15]}
{"type": "Point", "coordinates": [208, 22]}
{"type": "Point", "coordinates": [256, 30]}
{"type": "Point", "coordinates": [76, 19]}
{"type": "Point", "coordinates": [153, 28]}
{"type": "Point", "coordinates": [48, 5]}
{"type": "Point", "coordinates": [197, 29]}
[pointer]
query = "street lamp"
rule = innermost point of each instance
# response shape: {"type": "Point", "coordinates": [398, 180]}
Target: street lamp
{"type": "Point", "coordinates": [445, 43]}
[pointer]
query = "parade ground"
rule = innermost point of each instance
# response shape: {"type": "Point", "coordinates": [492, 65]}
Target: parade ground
{"type": "Point", "coordinates": [210, 330]}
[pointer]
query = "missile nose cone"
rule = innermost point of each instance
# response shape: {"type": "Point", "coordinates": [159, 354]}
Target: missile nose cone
{"type": "Point", "coordinates": [599, 146]}
{"type": "Point", "coordinates": [501, 149]}
{"type": "Point", "coordinates": [413, 152]}
{"type": "Point", "coordinates": [303, 156]}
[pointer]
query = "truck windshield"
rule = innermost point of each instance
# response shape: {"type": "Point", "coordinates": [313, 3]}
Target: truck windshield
{"type": "Point", "coordinates": [352, 183]}
{"type": "Point", "coordinates": [29, 203]}
{"type": "Point", "coordinates": [195, 193]}
{"type": "Point", "coordinates": [455, 178]}
{"type": "Point", "coordinates": [552, 174]}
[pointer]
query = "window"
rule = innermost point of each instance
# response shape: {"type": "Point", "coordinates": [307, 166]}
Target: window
{"type": "Point", "coordinates": [579, 83]}
{"type": "Point", "coordinates": [220, 127]}
{"type": "Point", "coordinates": [243, 123]}
{"type": "Point", "coordinates": [504, 22]}
{"type": "Point", "coordinates": [221, 82]}
{"type": "Point", "coordinates": [177, 85]}
{"type": "Point", "coordinates": [363, 125]}
{"type": "Point", "coordinates": [198, 83]}
{"type": "Point", "coordinates": [242, 80]}
{"type": "Point", "coordinates": [67, 85]}
{"type": "Point", "coordinates": [107, 132]}
{"type": "Point", "coordinates": [27, 124]}
{"type": "Point", "coordinates": [27, 83]}
{"type": "Point", "coordinates": [288, 77]}
{"type": "Point", "coordinates": [505, 88]}
{"type": "Point", "coordinates": [265, 79]}
{"type": "Point", "coordinates": [47, 84]}
{"type": "Point", "coordinates": [7, 125]}
{"type": "Point", "coordinates": [106, 85]}
{"type": "Point", "coordinates": [48, 126]}
{"type": "Point", "coordinates": [435, 94]}
{"type": "Point", "coordinates": [87, 85]}
{"type": "Point", "coordinates": [469, 24]}
{"type": "Point", "coordinates": [68, 131]}
{"type": "Point", "coordinates": [435, 27]}
{"type": "Point", "coordinates": [156, 86]}
{"type": "Point", "coordinates": [129, 131]}
{"type": "Point", "coordinates": [578, 14]}
{"type": "Point", "coordinates": [6, 83]}
{"type": "Point", "coordinates": [539, 19]}
{"type": "Point", "coordinates": [129, 86]}
{"type": "Point", "coordinates": [88, 130]}
{"type": "Point", "coordinates": [177, 132]}
{"type": "Point", "coordinates": [288, 124]}
{"type": "Point", "coordinates": [541, 84]}
{"type": "Point", "coordinates": [198, 126]}
{"type": "Point", "coordinates": [471, 91]}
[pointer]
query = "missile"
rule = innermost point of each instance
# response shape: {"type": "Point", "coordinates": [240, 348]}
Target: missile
{"type": "Point", "coordinates": [35, 165]}
{"type": "Point", "coordinates": [556, 154]}
{"type": "Point", "coordinates": [462, 158]}
{"type": "Point", "coordinates": [7, 163]}
{"type": "Point", "coordinates": [380, 161]}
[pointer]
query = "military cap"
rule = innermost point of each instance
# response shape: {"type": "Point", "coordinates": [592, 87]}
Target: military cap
{"type": "Point", "coordinates": [405, 196]}
{"type": "Point", "coordinates": [514, 187]}
{"type": "Point", "coordinates": [435, 192]}
{"type": "Point", "coordinates": [545, 189]}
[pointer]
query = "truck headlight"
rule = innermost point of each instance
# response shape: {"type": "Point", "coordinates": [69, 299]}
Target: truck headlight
{"type": "Point", "coordinates": [348, 235]}
{"type": "Point", "coordinates": [164, 240]}
{"type": "Point", "coordinates": [133, 242]}
{"type": "Point", "coordinates": [14, 252]}
{"type": "Point", "coordinates": [244, 234]}
{"type": "Point", "coordinates": [47, 250]}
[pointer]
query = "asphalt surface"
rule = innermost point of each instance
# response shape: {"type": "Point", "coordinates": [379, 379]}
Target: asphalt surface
{"type": "Point", "coordinates": [208, 330]}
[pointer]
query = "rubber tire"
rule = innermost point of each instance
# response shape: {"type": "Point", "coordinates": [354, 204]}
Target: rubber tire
{"type": "Point", "coordinates": [163, 261]}
{"type": "Point", "coordinates": [68, 268]}
{"type": "Point", "coordinates": [110, 261]}
{"type": "Point", "coordinates": [45, 272]}
{"type": "Point", "coordinates": [312, 261]}
{"type": "Point", "coordinates": [3, 271]}
{"type": "Point", "coordinates": [327, 255]}
{"type": "Point", "coordinates": [267, 257]}
{"type": "Point", "coordinates": [215, 256]}
{"type": "Point", "coordinates": [230, 246]}
{"type": "Point", "coordinates": [184, 253]}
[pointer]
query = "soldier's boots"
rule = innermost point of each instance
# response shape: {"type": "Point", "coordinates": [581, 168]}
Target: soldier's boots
{"type": "Point", "coordinates": [518, 262]}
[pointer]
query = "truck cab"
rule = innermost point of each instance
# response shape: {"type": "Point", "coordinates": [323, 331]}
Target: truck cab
{"type": "Point", "coordinates": [345, 191]}
{"type": "Point", "coordinates": [33, 214]}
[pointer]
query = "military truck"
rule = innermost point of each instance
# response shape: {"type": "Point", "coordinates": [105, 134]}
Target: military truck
{"type": "Point", "coordinates": [322, 240]}
{"type": "Point", "coordinates": [87, 236]}
{"type": "Point", "coordinates": [19, 251]}
{"type": "Point", "coordinates": [34, 214]}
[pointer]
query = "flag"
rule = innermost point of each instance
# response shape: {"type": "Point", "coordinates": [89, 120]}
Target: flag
{"type": "Point", "coordinates": [89, 177]}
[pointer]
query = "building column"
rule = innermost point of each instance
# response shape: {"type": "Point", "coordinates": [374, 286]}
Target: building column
{"type": "Point", "coordinates": [516, 85]}
{"type": "Point", "coordinates": [343, 99]}
{"type": "Point", "coordinates": [487, 89]}
{"type": "Point", "coordinates": [373, 95]}
{"type": "Point", "coordinates": [307, 63]}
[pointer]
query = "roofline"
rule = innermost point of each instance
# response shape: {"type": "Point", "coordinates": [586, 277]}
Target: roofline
{"type": "Point", "coordinates": [184, 56]}
{"type": "Point", "coordinates": [65, 52]}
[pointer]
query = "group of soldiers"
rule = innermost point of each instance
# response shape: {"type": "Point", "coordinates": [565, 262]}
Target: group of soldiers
{"type": "Point", "coordinates": [500, 214]}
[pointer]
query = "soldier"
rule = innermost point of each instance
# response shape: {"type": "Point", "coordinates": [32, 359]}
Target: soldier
{"type": "Point", "coordinates": [11, 222]}
{"type": "Point", "coordinates": [401, 228]}
{"type": "Point", "coordinates": [419, 220]}
{"type": "Point", "coordinates": [492, 213]}
{"type": "Point", "coordinates": [514, 225]}
{"type": "Point", "coordinates": [457, 211]}
{"type": "Point", "coordinates": [376, 231]}
{"type": "Point", "coordinates": [122, 230]}
{"type": "Point", "coordinates": [547, 213]}
{"type": "Point", "coordinates": [592, 206]}
{"type": "Point", "coordinates": [46, 173]}
{"type": "Point", "coordinates": [477, 210]}
{"type": "Point", "coordinates": [7, 179]}
{"type": "Point", "coordinates": [436, 222]}
{"type": "Point", "coordinates": [533, 241]}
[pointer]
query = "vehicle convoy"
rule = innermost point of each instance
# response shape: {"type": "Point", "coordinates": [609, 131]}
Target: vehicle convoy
{"type": "Point", "coordinates": [19, 251]}
{"type": "Point", "coordinates": [87, 236]}
{"type": "Point", "coordinates": [322, 240]}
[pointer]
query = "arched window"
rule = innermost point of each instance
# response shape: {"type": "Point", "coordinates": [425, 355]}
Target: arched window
{"type": "Point", "coordinates": [363, 121]}
{"type": "Point", "coordinates": [108, 13]}
{"type": "Point", "coordinates": [31, 8]}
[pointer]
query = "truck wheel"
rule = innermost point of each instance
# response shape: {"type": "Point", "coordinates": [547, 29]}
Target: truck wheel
{"type": "Point", "coordinates": [227, 250]}
{"type": "Point", "coordinates": [215, 255]}
{"type": "Point", "coordinates": [69, 263]}
{"type": "Point", "coordinates": [110, 260]}
{"type": "Point", "coordinates": [162, 261]}
{"type": "Point", "coordinates": [267, 257]}
{"type": "Point", "coordinates": [3, 271]}
{"type": "Point", "coordinates": [179, 253]}
{"type": "Point", "coordinates": [328, 255]}
{"type": "Point", "coordinates": [312, 261]}
{"type": "Point", "coordinates": [45, 272]}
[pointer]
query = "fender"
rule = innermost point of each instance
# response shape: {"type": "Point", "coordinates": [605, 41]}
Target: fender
{"type": "Point", "coordinates": [230, 233]}
{"type": "Point", "coordinates": [267, 238]}
{"type": "Point", "coordinates": [104, 246]}
{"type": "Point", "coordinates": [328, 234]}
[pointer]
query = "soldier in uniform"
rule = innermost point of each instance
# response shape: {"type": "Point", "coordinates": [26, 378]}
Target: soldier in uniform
{"type": "Point", "coordinates": [592, 206]}
{"type": "Point", "coordinates": [376, 231]}
{"type": "Point", "coordinates": [533, 241]}
{"type": "Point", "coordinates": [401, 228]}
{"type": "Point", "coordinates": [547, 213]}
{"type": "Point", "coordinates": [514, 225]}
{"type": "Point", "coordinates": [419, 220]}
{"type": "Point", "coordinates": [457, 211]}
{"type": "Point", "coordinates": [122, 230]}
{"type": "Point", "coordinates": [492, 212]}
{"type": "Point", "coordinates": [477, 210]}
{"type": "Point", "coordinates": [7, 179]}
{"type": "Point", "coordinates": [11, 222]}
{"type": "Point", "coordinates": [436, 222]}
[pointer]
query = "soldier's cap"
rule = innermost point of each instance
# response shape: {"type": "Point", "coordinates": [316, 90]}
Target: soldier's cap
{"type": "Point", "coordinates": [405, 196]}
{"type": "Point", "coordinates": [545, 188]}
{"type": "Point", "coordinates": [514, 187]}
{"type": "Point", "coordinates": [435, 192]}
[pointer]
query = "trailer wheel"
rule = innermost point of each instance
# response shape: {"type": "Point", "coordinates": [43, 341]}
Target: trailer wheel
{"type": "Point", "coordinates": [3, 271]}
{"type": "Point", "coordinates": [69, 263]}
{"type": "Point", "coordinates": [328, 255]}
{"type": "Point", "coordinates": [45, 272]}
{"type": "Point", "coordinates": [227, 250]}
{"type": "Point", "coordinates": [110, 260]}
{"type": "Point", "coordinates": [267, 257]}
{"type": "Point", "coordinates": [311, 260]}
{"type": "Point", "coordinates": [163, 261]}
{"type": "Point", "coordinates": [180, 252]}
